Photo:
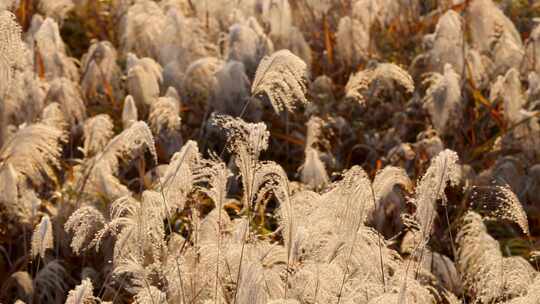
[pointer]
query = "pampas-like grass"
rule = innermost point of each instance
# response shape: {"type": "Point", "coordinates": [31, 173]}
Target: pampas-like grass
{"type": "Point", "coordinates": [97, 130]}
{"type": "Point", "coordinates": [482, 265]}
{"type": "Point", "coordinates": [129, 112]}
{"type": "Point", "coordinates": [199, 81]}
{"type": "Point", "coordinates": [19, 285]}
{"type": "Point", "coordinates": [56, 9]}
{"type": "Point", "coordinates": [140, 27]}
{"type": "Point", "coordinates": [447, 44]}
{"type": "Point", "coordinates": [143, 81]}
{"type": "Point", "coordinates": [34, 152]}
{"type": "Point", "coordinates": [42, 238]}
{"type": "Point", "coordinates": [499, 203]}
{"type": "Point", "coordinates": [84, 223]}
{"type": "Point", "coordinates": [50, 48]}
{"type": "Point", "coordinates": [232, 91]}
{"type": "Point", "coordinates": [443, 170]}
{"type": "Point", "coordinates": [383, 76]}
{"type": "Point", "coordinates": [283, 78]}
{"type": "Point", "coordinates": [100, 73]}
{"type": "Point", "coordinates": [353, 41]}
{"type": "Point", "coordinates": [277, 14]}
{"type": "Point", "coordinates": [246, 44]}
{"type": "Point", "coordinates": [166, 125]}
{"type": "Point", "coordinates": [153, 169]}
{"type": "Point", "coordinates": [12, 48]}
{"type": "Point", "coordinates": [98, 175]}
{"type": "Point", "coordinates": [67, 94]}
{"type": "Point", "coordinates": [443, 99]}
{"type": "Point", "coordinates": [82, 294]}
{"type": "Point", "coordinates": [493, 32]}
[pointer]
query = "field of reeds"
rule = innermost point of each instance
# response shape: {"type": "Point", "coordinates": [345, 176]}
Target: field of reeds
{"type": "Point", "coordinates": [270, 151]}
